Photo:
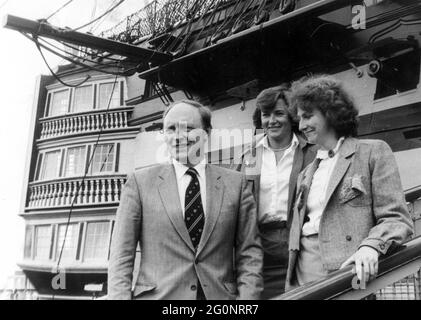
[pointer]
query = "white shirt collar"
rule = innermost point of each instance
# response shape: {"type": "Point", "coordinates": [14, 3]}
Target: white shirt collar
{"type": "Point", "coordinates": [180, 169]}
{"type": "Point", "coordinates": [324, 154]}
{"type": "Point", "coordinates": [265, 143]}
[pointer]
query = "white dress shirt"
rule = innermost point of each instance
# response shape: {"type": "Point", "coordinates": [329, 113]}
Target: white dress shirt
{"type": "Point", "coordinates": [274, 182]}
{"type": "Point", "coordinates": [184, 179]}
{"type": "Point", "coordinates": [316, 201]}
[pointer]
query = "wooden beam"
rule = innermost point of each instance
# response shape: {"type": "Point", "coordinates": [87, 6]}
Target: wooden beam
{"type": "Point", "coordinates": [44, 29]}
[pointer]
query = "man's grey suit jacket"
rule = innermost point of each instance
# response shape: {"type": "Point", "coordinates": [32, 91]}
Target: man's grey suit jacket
{"type": "Point", "coordinates": [228, 260]}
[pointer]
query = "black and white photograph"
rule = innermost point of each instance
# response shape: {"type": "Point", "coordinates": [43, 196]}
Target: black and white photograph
{"type": "Point", "coordinates": [230, 151]}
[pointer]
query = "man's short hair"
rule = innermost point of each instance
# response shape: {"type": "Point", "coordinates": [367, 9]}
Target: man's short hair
{"type": "Point", "coordinates": [267, 100]}
{"type": "Point", "coordinates": [328, 95]}
{"type": "Point", "coordinates": [205, 113]}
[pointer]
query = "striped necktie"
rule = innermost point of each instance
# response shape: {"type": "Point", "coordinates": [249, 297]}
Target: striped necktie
{"type": "Point", "coordinates": [193, 213]}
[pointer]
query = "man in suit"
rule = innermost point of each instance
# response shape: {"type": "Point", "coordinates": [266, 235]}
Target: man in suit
{"type": "Point", "coordinates": [195, 223]}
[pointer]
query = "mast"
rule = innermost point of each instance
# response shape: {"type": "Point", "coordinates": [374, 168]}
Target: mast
{"type": "Point", "coordinates": [44, 29]}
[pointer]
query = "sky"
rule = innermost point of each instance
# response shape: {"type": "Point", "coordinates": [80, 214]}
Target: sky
{"type": "Point", "coordinates": [20, 64]}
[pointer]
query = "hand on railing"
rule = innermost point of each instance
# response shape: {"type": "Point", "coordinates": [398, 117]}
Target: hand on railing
{"type": "Point", "coordinates": [341, 284]}
{"type": "Point", "coordinates": [366, 262]}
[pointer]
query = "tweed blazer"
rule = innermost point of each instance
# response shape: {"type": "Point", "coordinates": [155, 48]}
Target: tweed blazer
{"type": "Point", "coordinates": [365, 206]}
{"type": "Point", "coordinates": [250, 163]}
{"type": "Point", "coordinates": [228, 260]}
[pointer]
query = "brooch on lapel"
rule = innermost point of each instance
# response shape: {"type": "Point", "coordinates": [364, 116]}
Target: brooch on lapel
{"type": "Point", "coordinates": [250, 168]}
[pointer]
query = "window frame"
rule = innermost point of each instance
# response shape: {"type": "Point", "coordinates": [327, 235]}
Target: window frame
{"type": "Point", "coordinates": [41, 175]}
{"type": "Point", "coordinates": [92, 101]}
{"type": "Point", "coordinates": [116, 89]}
{"type": "Point", "coordinates": [62, 161]}
{"type": "Point", "coordinates": [49, 101]}
{"type": "Point", "coordinates": [84, 161]}
{"type": "Point", "coordinates": [56, 254]}
{"type": "Point", "coordinates": [34, 241]}
{"type": "Point", "coordinates": [85, 236]}
{"type": "Point", "coordinates": [28, 247]}
{"type": "Point", "coordinates": [78, 254]}
{"type": "Point", "coordinates": [121, 88]}
{"type": "Point", "coordinates": [113, 170]}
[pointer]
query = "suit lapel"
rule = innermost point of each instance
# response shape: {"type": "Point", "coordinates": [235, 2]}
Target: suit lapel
{"type": "Point", "coordinates": [214, 195]}
{"type": "Point", "coordinates": [252, 169]}
{"type": "Point", "coordinates": [168, 191]}
{"type": "Point", "coordinates": [297, 165]}
{"type": "Point", "coordinates": [348, 148]}
{"type": "Point", "coordinates": [302, 197]}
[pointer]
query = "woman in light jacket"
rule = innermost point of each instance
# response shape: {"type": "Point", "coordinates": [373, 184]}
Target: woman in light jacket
{"type": "Point", "coordinates": [350, 206]}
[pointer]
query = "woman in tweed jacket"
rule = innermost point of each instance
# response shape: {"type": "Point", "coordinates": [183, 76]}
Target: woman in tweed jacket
{"type": "Point", "coordinates": [350, 206]}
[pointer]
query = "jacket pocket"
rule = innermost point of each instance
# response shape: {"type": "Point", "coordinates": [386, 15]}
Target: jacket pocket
{"type": "Point", "coordinates": [354, 193]}
{"type": "Point", "coordinates": [140, 289]}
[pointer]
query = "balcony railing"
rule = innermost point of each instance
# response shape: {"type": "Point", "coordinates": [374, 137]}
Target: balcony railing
{"type": "Point", "coordinates": [399, 276]}
{"type": "Point", "coordinates": [84, 123]}
{"type": "Point", "coordinates": [80, 192]}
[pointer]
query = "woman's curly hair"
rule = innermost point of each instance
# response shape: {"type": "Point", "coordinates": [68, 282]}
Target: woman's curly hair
{"type": "Point", "coordinates": [328, 95]}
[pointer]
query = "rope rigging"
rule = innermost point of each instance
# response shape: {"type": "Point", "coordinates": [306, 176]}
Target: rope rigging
{"type": "Point", "coordinates": [58, 10]}
{"type": "Point", "coordinates": [180, 48]}
{"type": "Point", "coordinates": [101, 16]}
{"type": "Point", "coordinates": [77, 62]}
{"type": "Point", "coordinates": [53, 73]}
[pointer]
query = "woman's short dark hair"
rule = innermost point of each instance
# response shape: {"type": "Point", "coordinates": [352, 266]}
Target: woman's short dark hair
{"type": "Point", "coordinates": [266, 101]}
{"type": "Point", "coordinates": [205, 113]}
{"type": "Point", "coordinates": [328, 95]}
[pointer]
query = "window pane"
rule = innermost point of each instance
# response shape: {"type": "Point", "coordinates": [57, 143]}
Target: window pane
{"type": "Point", "coordinates": [83, 99]}
{"type": "Point", "coordinates": [51, 165]}
{"type": "Point", "coordinates": [75, 161]}
{"type": "Point", "coordinates": [59, 102]}
{"type": "Point", "coordinates": [105, 91]}
{"type": "Point", "coordinates": [103, 160]}
{"type": "Point", "coordinates": [42, 242]}
{"type": "Point", "coordinates": [28, 242]}
{"type": "Point", "coordinates": [69, 250]}
{"type": "Point", "coordinates": [96, 244]}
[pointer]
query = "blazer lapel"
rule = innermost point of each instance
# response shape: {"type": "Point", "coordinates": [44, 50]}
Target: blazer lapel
{"type": "Point", "coordinates": [252, 169]}
{"type": "Point", "coordinates": [302, 198]}
{"type": "Point", "coordinates": [348, 148]}
{"type": "Point", "coordinates": [214, 195]}
{"type": "Point", "coordinates": [297, 165]}
{"type": "Point", "coordinates": [298, 218]}
{"type": "Point", "coordinates": [169, 196]}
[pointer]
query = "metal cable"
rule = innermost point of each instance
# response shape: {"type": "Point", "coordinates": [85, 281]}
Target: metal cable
{"type": "Point", "coordinates": [59, 9]}
{"type": "Point", "coordinates": [102, 15]}
{"type": "Point", "coordinates": [55, 75]}
{"type": "Point", "coordinates": [124, 73]}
